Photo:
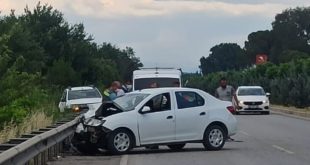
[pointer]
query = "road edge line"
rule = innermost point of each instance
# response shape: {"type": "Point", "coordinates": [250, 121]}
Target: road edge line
{"type": "Point", "coordinates": [124, 160]}
{"type": "Point", "coordinates": [282, 149]}
{"type": "Point", "coordinates": [289, 115]}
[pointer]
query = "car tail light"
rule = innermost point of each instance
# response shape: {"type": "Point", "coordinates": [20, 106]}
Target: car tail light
{"type": "Point", "coordinates": [231, 109]}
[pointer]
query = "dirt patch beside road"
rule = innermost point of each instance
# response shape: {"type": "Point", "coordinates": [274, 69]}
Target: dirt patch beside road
{"type": "Point", "coordinates": [293, 111]}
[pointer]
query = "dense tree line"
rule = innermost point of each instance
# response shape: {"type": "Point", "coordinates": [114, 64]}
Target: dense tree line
{"type": "Point", "coordinates": [40, 50]}
{"type": "Point", "coordinates": [288, 39]}
{"type": "Point", "coordinates": [289, 83]}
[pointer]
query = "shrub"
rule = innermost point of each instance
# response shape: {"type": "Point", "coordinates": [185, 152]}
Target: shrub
{"type": "Point", "coordinates": [289, 83]}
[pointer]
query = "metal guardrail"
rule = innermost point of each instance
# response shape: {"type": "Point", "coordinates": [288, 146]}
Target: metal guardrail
{"type": "Point", "coordinates": [37, 149]}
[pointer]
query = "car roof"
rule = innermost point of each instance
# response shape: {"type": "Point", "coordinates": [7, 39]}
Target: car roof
{"type": "Point", "coordinates": [157, 73]}
{"type": "Point", "coordinates": [161, 90]}
{"type": "Point", "coordinates": [80, 88]}
{"type": "Point", "coordinates": [249, 87]}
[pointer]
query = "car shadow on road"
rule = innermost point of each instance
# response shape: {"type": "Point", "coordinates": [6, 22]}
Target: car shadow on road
{"type": "Point", "coordinates": [251, 114]}
{"type": "Point", "coordinates": [141, 151]}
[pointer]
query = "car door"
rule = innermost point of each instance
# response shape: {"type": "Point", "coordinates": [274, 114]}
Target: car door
{"type": "Point", "coordinates": [62, 103]}
{"type": "Point", "coordinates": [191, 115]}
{"type": "Point", "coordinates": [157, 125]}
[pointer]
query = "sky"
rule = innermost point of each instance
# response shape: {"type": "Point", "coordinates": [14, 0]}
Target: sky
{"type": "Point", "coordinates": [167, 33]}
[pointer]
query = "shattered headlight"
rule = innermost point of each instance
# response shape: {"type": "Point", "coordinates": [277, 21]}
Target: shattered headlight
{"type": "Point", "coordinates": [93, 122]}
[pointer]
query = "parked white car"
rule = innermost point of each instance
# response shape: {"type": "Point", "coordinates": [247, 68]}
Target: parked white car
{"type": "Point", "coordinates": [160, 116]}
{"type": "Point", "coordinates": [251, 99]}
{"type": "Point", "coordinates": [80, 99]}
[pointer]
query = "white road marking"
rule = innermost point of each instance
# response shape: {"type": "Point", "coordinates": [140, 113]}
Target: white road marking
{"type": "Point", "coordinates": [282, 149]}
{"type": "Point", "coordinates": [244, 133]}
{"type": "Point", "coordinates": [124, 160]}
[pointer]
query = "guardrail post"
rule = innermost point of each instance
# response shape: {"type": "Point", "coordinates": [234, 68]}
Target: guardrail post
{"type": "Point", "coordinates": [36, 160]}
{"type": "Point", "coordinates": [61, 149]}
{"type": "Point", "coordinates": [55, 151]}
{"type": "Point", "coordinates": [58, 150]}
{"type": "Point", "coordinates": [43, 157]}
{"type": "Point", "coordinates": [49, 154]}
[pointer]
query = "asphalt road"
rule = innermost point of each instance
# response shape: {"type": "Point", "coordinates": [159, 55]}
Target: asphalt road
{"type": "Point", "coordinates": [261, 140]}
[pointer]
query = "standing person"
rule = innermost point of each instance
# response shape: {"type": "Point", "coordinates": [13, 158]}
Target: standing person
{"type": "Point", "coordinates": [119, 91]}
{"type": "Point", "coordinates": [226, 93]}
{"type": "Point", "coordinates": [114, 91]}
{"type": "Point", "coordinates": [127, 87]}
{"type": "Point", "coordinates": [153, 147]}
{"type": "Point", "coordinates": [110, 93]}
{"type": "Point", "coordinates": [154, 85]}
{"type": "Point", "coordinates": [176, 84]}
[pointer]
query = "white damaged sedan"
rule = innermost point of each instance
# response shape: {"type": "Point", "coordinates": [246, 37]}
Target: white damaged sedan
{"type": "Point", "coordinates": [160, 116]}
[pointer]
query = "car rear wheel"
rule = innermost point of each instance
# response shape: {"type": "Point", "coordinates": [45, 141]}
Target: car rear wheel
{"type": "Point", "coordinates": [214, 138]}
{"type": "Point", "coordinates": [176, 146]}
{"type": "Point", "coordinates": [120, 141]}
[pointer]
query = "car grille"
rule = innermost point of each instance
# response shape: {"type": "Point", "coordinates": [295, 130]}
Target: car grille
{"type": "Point", "coordinates": [251, 109]}
{"type": "Point", "coordinates": [253, 103]}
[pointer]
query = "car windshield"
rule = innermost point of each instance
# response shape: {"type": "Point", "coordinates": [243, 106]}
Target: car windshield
{"type": "Point", "coordinates": [83, 94]}
{"type": "Point", "coordinates": [144, 83]}
{"type": "Point", "coordinates": [251, 92]}
{"type": "Point", "coordinates": [129, 101]}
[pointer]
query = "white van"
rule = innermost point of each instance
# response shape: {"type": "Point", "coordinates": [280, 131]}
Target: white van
{"type": "Point", "coordinates": [164, 77]}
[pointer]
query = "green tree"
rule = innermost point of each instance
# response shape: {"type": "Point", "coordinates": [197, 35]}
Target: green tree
{"type": "Point", "coordinates": [61, 73]}
{"type": "Point", "coordinates": [291, 32]}
{"type": "Point", "coordinates": [259, 42]}
{"type": "Point", "coordinates": [223, 57]}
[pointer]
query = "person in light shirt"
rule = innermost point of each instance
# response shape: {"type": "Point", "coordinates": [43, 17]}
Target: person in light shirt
{"type": "Point", "coordinates": [226, 93]}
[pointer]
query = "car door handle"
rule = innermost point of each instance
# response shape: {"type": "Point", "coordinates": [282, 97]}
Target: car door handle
{"type": "Point", "coordinates": [202, 113]}
{"type": "Point", "coordinates": [169, 117]}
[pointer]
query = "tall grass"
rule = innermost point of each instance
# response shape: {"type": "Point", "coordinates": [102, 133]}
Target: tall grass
{"type": "Point", "coordinates": [20, 117]}
{"type": "Point", "coordinates": [32, 122]}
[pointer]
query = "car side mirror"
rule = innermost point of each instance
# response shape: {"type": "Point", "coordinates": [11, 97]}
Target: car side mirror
{"type": "Point", "coordinates": [145, 109]}
{"type": "Point", "coordinates": [267, 94]}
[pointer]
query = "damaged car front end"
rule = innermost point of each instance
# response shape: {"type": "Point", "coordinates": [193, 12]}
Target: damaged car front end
{"type": "Point", "coordinates": [90, 134]}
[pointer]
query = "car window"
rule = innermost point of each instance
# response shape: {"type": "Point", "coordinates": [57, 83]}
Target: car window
{"type": "Point", "coordinates": [144, 83]}
{"type": "Point", "coordinates": [189, 99]}
{"type": "Point", "coordinates": [82, 94]}
{"type": "Point", "coordinates": [160, 102]}
{"type": "Point", "coordinates": [251, 92]}
{"type": "Point", "coordinates": [130, 101]}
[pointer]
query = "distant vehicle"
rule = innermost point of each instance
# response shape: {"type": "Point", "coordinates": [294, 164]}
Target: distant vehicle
{"type": "Point", "coordinates": [159, 116]}
{"type": "Point", "coordinates": [164, 77]}
{"type": "Point", "coordinates": [251, 99]}
{"type": "Point", "coordinates": [79, 98]}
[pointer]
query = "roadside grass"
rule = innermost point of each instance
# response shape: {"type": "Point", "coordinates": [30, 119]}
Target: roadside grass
{"type": "Point", "coordinates": [301, 112]}
{"type": "Point", "coordinates": [307, 109]}
{"type": "Point", "coordinates": [40, 117]}
{"type": "Point", "coordinates": [32, 122]}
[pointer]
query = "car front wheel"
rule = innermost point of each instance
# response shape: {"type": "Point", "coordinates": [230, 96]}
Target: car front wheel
{"type": "Point", "coordinates": [120, 141]}
{"type": "Point", "coordinates": [214, 138]}
{"type": "Point", "coordinates": [176, 146]}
